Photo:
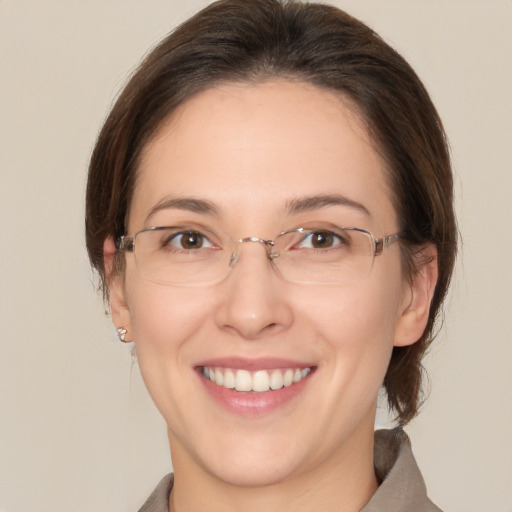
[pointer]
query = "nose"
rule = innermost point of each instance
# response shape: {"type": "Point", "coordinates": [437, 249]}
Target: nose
{"type": "Point", "coordinates": [254, 300]}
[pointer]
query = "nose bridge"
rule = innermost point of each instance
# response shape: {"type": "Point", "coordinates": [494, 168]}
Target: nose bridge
{"type": "Point", "coordinates": [253, 304]}
{"type": "Point", "coordinates": [267, 244]}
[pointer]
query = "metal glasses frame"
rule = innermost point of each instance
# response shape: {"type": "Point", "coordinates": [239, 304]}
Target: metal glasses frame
{"type": "Point", "coordinates": [126, 243]}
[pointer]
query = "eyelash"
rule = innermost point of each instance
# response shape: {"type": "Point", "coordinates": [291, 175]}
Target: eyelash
{"type": "Point", "coordinates": [326, 234]}
{"type": "Point", "coordinates": [168, 241]}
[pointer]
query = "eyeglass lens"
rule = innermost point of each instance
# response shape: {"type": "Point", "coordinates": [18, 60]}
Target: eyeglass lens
{"type": "Point", "coordinates": [177, 257]}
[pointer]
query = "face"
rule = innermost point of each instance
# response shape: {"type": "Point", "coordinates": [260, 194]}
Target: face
{"type": "Point", "coordinates": [249, 152]}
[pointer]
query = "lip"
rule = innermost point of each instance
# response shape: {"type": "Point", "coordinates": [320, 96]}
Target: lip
{"type": "Point", "coordinates": [249, 403]}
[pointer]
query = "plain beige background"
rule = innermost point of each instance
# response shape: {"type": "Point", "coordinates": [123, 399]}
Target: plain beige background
{"type": "Point", "coordinates": [77, 432]}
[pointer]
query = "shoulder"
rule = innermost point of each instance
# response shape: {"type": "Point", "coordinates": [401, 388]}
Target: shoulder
{"type": "Point", "coordinates": [402, 487]}
{"type": "Point", "coordinates": [158, 500]}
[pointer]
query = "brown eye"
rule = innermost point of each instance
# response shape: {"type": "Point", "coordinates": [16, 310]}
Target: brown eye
{"type": "Point", "coordinates": [322, 240]}
{"type": "Point", "coordinates": [190, 240]}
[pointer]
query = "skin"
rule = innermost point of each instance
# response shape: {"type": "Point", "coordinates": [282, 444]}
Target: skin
{"type": "Point", "coordinates": [250, 149]}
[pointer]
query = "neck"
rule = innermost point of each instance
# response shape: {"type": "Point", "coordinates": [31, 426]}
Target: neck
{"type": "Point", "coordinates": [344, 482]}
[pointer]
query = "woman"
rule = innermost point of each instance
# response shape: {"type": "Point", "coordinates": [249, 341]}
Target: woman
{"type": "Point", "coordinates": [269, 208]}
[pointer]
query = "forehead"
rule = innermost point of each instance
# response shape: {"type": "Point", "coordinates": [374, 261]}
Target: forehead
{"type": "Point", "coordinates": [255, 147]}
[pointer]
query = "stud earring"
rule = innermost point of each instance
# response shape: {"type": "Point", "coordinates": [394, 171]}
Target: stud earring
{"type": "Point", "coordinates": [121, 334]}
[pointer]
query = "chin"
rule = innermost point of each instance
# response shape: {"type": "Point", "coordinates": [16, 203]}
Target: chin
{"type": "Point", "coordinates": [253, 473]}
{"type": "Point", "coordinates": [243, 459]}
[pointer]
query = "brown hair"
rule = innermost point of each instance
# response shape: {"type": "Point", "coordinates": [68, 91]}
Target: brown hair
{"type": "Point", "coordinates": [255, 40]}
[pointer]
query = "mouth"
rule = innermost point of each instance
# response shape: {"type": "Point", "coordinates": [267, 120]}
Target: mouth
{"type": "Point", "coordinates": [259, 381]}
{"type": "Point", "coordinates": [255, 387]}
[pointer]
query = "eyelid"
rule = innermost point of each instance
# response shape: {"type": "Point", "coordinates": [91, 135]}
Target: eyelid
{"type": "Point", "coordinates": [191, 227]}
{"type": "Point", "coordinates": [311, 227]}
{"type": "Point", "coordinates": [322, 225]}
{"type": "Point", "coordinates": [338, 238]}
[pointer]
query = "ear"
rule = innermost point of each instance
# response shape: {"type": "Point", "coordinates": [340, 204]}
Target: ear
{"type": "Point", "coordinates": [116, 296]}
{"type": "Point", "coordinates": [415, 309]}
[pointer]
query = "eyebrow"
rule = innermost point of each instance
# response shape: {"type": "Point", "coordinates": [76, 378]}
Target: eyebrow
{"type": "Point", "coordinates": [189, 204]}
{"type": "Point", "coordinates": [294, 206]}
{"type": "Point", "coordinates": [309, 203]}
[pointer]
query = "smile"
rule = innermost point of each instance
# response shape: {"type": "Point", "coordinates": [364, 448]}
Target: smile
{"type": "Point", "coordinates": [259, 381]}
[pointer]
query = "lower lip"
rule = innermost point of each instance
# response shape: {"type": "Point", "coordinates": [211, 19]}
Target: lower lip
{"type": "Point", "coordinates": [247, 403]}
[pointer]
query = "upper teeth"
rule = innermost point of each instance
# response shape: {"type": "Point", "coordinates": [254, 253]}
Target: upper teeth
{"type": "Point", "coordinates": [259, 381]}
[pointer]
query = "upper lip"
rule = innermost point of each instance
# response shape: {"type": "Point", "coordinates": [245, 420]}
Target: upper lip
{"type": "Point", "coordinates": [253, 364]}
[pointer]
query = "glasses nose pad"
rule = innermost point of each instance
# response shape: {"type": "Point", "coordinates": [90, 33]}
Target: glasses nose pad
{"type": "Point", "coordinates": [233, 259]}
{"type": "Point", "coordinates": [269, 246]}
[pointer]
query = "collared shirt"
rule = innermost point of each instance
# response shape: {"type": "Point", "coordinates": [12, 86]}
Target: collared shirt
{"type": "Point", "coordinates": [402, 488]}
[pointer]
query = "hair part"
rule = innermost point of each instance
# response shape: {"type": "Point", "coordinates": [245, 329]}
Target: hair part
{"type": "Point", "coordinates": [259, 40]}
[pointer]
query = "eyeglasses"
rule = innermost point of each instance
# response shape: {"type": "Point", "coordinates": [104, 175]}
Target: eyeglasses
{"type": "Point", "coordinates": [180, 256]}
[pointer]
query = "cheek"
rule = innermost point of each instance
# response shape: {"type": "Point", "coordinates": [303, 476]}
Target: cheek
{"type": "Point", "coordinates": [163, 319]}
{"type": "Point", "coordinates": [354, 316]}
{"type": "Point", "coordinates": [354, 331]}
{"type": "Point", "coordinates": [167, 324]}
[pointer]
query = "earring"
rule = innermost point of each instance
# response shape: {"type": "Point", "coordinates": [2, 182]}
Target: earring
{"type": "Point", "coordinates": [121, 334]}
